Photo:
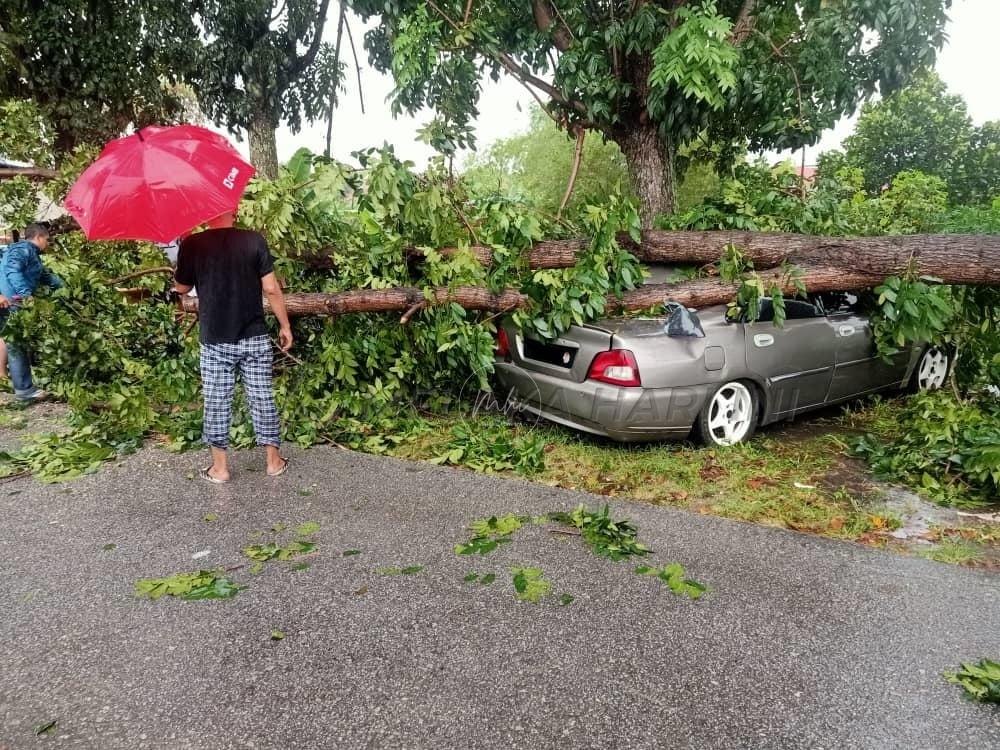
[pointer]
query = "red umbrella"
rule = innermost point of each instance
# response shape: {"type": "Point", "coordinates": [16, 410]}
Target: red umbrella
{"type": "Point", "coordinates": [158, 183]}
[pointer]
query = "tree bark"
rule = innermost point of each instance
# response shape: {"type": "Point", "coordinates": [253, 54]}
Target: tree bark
{"type": "Point", "coordinates": [963, 258]}
{"type": "Point", "coordinates": [955, 258]}
{"type": "Point", "coordinates": [708, 292]}
{"type": "Point", "coordinates": [32, 173]}
{"type": "Point", "coordinates": [397, 299]}
{"type": "Point", "coordinates": [650, 161]}
{"type": "Point", "coordinates": [263, 144]}
{"type": "Point", "coordinates": [696, 294]}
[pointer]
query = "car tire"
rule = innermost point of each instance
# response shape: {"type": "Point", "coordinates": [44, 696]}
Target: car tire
{"type": "Point", "coordinates": [730, 415]}
{"type": "Point", "coordinates": [932, 370]}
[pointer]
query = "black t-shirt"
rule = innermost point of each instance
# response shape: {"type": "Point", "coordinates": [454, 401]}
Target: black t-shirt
{"type": "Point", "coordinates": [226, 266]}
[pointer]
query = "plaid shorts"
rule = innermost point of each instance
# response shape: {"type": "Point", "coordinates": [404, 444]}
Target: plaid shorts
{"type": "Point", "coordinates": [219, 364]}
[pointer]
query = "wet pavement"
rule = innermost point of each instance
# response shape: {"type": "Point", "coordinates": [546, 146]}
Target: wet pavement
{"type": "Point", "coordinates": [801, 643]}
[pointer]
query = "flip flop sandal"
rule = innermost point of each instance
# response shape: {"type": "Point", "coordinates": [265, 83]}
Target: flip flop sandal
{"type": "Point", "coordinates": [204, 474]}
{"type": "Point", "coordinates": [282, 470]}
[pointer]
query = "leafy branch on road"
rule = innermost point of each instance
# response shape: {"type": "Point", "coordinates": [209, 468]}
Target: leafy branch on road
{"type": "Point", "coordinates": [204, 584]}
{"type": "Point", "coordinates": [981, 681]}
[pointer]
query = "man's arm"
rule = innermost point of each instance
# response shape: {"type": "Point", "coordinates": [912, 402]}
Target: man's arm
{"type": "Point", "coordinates": [183, 274]}
{"type": "Point", "coordinates": [50, 279]}
{"type": "Point", "coordinates": [276, 298]}
{"type": "Point", "coordinates": [14, 269]}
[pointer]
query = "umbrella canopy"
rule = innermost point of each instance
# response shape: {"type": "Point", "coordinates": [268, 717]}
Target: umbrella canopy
{"type": "Point", "coordinates": [158, 183]}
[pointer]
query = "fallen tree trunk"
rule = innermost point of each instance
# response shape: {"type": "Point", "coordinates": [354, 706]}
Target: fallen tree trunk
{"type": "Point", "coordinates": [697, 293]}
{"type": "Point", "coordinates": [396, 299]}
{"type": "Point", "coordinates": [700, 293]}
{"type": "Point", "coordinates": [962, 258]}
{"type": "Point", "coordinates": [955, 258]}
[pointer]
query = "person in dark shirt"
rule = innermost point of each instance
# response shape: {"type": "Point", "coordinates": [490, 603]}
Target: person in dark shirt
{"type": "Point", "coordinates": [232, 269]}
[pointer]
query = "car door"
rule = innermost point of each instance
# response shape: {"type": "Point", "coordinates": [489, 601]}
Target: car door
{"type": "Point", "coordinates": [859, 369]}
{"type": "Point", "coordinates": [797, 360]}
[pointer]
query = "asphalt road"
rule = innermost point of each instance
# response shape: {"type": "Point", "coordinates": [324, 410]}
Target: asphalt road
{"type": "Point", "coordinates": [802, 642]}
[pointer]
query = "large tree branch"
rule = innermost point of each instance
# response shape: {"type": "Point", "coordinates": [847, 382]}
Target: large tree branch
{"type": "Point", "coordinates": [545, 21]}
{"type": "Point", "coordinates": [396, 299]}
{"type": "Point", "coordinates": [512, 67]}
{"type": "Point", "coordinates": [515, 69]}
{"type": "Point", "coordinates": [304, 61]}
{"type": "Point", "coordinates": [697, 293]}
{"type": "Point", "coordinates": [34, 173]}
{"type": "Point", "coordinates": [958, 258]}
{"type": "Point", "coordinates": [581, 134]}
{"type": "Point", "coordinates": [743, 26]}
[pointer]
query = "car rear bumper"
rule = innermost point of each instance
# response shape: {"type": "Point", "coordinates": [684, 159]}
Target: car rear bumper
{"type": "Point", "coordinates": [623, 414]}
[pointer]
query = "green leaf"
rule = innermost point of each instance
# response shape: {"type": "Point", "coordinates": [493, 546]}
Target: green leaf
{"type": "Point", "coordinates": [412, 569]}
{"type": "Point", "coordinates": [529, 584]}
{"type": "Point", "coordinates": [277, 635]}
{"type": "Point", "coordinates": [351, 552]}
{"type": "Point", "coordinates": [219, 588]}
{"type": "Point", "coordinates": [46, 727]}
{"type": "Point", "coordinates": [307, 528]}
{"type": "Point", "coordinates": [488, 579]}
{"type": "Point", "coordinates": [469, 578]}
{"type": "Point", "coordinates": [565, 600]}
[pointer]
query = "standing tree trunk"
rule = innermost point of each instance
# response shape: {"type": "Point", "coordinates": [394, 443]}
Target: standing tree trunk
{"type": "Point", "coordinates": [650, 162]}
{"type": "Point", "coordinates": [263, 144]}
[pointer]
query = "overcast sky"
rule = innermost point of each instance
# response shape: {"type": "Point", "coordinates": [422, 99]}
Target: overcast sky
{"type": "Point", "coordinates": [969, 64]}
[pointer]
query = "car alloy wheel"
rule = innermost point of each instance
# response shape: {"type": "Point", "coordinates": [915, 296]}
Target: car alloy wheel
{"type": "Point", "coordinates": [730, 414]}
{"type": "Point", "coordinates": [932, 372]}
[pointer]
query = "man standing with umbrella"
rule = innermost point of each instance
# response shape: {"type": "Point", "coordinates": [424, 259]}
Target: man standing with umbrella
{"type": "Point", "coordinates": [158, 183]}
{"type": "Point", "coordinates": [233, 269]}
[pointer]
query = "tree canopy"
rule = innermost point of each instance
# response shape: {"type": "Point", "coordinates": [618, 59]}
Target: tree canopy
{"type": "Point", "coordinates": [656, 76]}
{"type": "Point", "coordinates": [924, 127]}
{"type": "Point", "coordinates": [94, 68]}
{"type": "Point", "coordinates": [263, 63]}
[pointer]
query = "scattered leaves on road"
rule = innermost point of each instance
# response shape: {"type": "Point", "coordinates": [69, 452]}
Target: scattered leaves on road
{"type": "Point", "coordinates": [204, 584]}
{"type": "Point", "coordinates": [616, 540]}
{"type": "Point", "coordinates": [673, 575]}
{"type": "Point", "coordinates": [529, 584]}
{"type": "Point", "coordinates": [396, 571]}
{"type": "Point", "coordinates": [46, 727]}
{"type": "Point", "coordinates": [265, 552]}
{"type": "Point", "coordinates": [981, 681]}
{"type": "Point", "coordinates": [307, 529]}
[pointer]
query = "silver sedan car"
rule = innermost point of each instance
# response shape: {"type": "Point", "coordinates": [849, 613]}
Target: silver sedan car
{"type": "Point", "coordinates": [703, 374]}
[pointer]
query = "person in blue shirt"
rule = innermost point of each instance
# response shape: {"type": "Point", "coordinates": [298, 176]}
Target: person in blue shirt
{"type": "Point", "coordinates": [21, 273]}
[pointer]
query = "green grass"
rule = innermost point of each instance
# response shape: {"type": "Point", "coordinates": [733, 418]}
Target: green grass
{"type": "Point", "coordinates": [754, 482]}
{"type": "Point", "coordinates": [954, 552]}
{"type": "Point", "coordinates": [803, 480]}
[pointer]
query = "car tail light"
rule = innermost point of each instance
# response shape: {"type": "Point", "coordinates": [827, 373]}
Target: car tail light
{"type": "Point", "coordinates": [503, 344]}
{"type": "Point", "coordinates": [617, 366]}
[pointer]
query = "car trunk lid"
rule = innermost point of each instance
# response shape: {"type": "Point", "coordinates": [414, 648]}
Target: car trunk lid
{"type": "Point", "coordinates": [567, 358]}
